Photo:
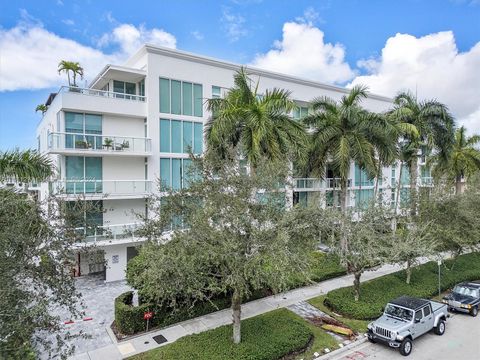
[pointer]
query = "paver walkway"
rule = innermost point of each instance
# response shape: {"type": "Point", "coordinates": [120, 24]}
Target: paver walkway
{"type": "Point", "coordinates": [119, 350]}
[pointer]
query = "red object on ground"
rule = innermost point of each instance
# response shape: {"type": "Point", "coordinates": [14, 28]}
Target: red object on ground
{"type": "Point", "coordinates": [148, 315]}
{"type": "Point", "coordinates": [68, 322]}
{"type": "Point", "coordinates": [87, 319]}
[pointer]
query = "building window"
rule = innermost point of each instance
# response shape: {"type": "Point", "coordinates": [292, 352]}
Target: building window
{"type": "Point", "coordinates": [216, 92]}
{"type": "Point", "coordinates": [300, 112]}
{"type": "Point", "coordinates": [178, 136]}
{"type": "Point", "coordinates": [361, 177]}
{"type": "Point", "coordinates": [88, 125]}
{"type": "Point", "coordinates": [83, 168]}
{"type": "Point", "coordinates": [363, 197]}
{"type": "Point", "coordinates": [122, 87]}
{"type": "Point", "coordinates": [174, 173]}
{"type": "Point", "coordinates": [405, 180]}
{"type": "Point", "coordinates": [181, 98]}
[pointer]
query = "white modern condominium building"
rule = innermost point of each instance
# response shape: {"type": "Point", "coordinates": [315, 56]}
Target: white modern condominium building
{"type": "Point", "coordinates": [112, 141]}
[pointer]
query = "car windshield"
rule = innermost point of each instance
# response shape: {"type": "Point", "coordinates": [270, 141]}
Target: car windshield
{"type": "Point", "coordinates": [463, 290]}
{"type": "Point", "coordinates": [399, 312]}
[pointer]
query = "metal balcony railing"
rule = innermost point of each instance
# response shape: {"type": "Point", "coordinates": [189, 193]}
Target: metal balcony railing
{"type": "Point", "coordinates": [101, 93]}
{"type": "Point", "coordinates": [92, 142]}
{"type": "Point", "coordinates": [318, 184]}
{"type": "Point", "coordinates": [106, 187]}
{"type": "Point", "coordinates": [109, 232]}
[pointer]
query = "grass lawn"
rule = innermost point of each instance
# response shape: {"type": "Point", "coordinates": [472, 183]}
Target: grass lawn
{"type": "Point", "coordinates": [265, 337]}
{"type": "Point", "coordinates": [320, 341]}
{"type": "Point", "coordinates": [359, 326]}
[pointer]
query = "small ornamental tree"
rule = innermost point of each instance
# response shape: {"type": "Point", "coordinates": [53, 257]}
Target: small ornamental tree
{"type": "Point", "coordinates": [358, 238]}
{"type": "Point", "coordinates": [229, 238]}
{"type": "Point", "coordinates": [36, 261]}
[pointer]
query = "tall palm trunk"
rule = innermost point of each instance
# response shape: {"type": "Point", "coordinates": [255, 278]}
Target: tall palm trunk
{"type": "Point", "coordinates": [343, 194]}
{"type": "Point", "coordinates": [397, 198]}
{"type": "Point", "coordinates": [413, 185]}
{"type": "Point", "coordinates": [377, 179]}
{"type": "Point", "coordinates": [458, 185]}
{"type": "Point", "coordinates": [289, 188]}
{"type": "Point", "coordinates": [236, 316]}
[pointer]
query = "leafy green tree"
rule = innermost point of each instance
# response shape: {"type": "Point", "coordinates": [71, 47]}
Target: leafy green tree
{"type": "Point", "coordinates": [42, 108]}
{"type": "Point", "coordinates": [434, 126]}
{"type": "Point", "coordinates": [229, 239]}
{"type": "Point", "coordinates": [71, 67]}
{"type": "Point", "coordinates": [461, 162]}
{"type": "Point", "coordinates": [343, 132]}
{"type": "Point", "coordinates": [256, 125]}
{"type": "Point", "coordinates": [359, 239]}
{"type": "Point", "coordinates": [36, 255]}
{"type": "Point", "coordinates": [24, 166]}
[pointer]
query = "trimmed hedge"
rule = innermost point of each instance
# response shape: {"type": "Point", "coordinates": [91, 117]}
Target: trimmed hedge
{"type": "Point", "coordinates": [374, 294]}
{"type": "Point", "coordinates": [265, 337]}
{"type": "Point", "coordinates": [129, 319]}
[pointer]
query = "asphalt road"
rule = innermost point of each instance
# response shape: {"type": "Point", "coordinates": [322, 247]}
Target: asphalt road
{"type": "Point", "coordinates": [461, 341]}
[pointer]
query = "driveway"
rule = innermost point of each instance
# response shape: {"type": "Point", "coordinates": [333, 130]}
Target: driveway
{"type": "Point", "coordinates": [98, 298]}
{"type": "Point", "coordinates": [459, 342]}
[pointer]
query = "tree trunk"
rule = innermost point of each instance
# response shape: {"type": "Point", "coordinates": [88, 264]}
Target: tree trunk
{"type": "Point", "coordinates": [413, 184]}
{"type": "Point", "coordinates": [356, 284]}
{"type": "Point", "coordinates": [409, 271]}
{"type": "Point", "coordinates": [68, 75]}
{"type": "Point", "coordinates": [397, 199]}
{"type": "Point", "coordinates": [458, 185]}
{"type": "Point", "coordinates": [379, 174]}
{"type": "Point", "coordinates": [236, 317]}
{"type": "Point", "coordinates": [343, 195]}
{"type": "Point", "coordinates": [289, 188]}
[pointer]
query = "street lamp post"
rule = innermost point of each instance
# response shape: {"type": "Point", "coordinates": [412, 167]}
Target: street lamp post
{"type": "Point", "coordinates": [439, 262]}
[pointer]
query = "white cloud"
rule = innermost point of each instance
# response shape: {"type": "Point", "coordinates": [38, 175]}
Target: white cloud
{"type": "Point", "coordinates": [197, 35]}
{"type": "Point", "coordinates": [234, 25]}
{"type": "Point", "coordinates": [303, 52]}
{"type": "Point", "coordinates": [30, 53]}
{"type": "Point", "coordinates": [433, 67]}
{"type": "Point", "coordinates": [68, 22]}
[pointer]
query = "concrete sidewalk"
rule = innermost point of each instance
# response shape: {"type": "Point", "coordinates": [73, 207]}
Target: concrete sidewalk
{"type": "Point", "coordinates": [119, 350]}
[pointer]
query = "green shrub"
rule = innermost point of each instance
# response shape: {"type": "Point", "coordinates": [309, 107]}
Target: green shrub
{"type": "Point", "coordinates": [424, 284]}
{"type": "Point", "coordinates": [265, 337]}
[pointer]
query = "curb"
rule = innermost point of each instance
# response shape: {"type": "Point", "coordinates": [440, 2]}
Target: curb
{"type": "Point", "coordinates": [340, 351]}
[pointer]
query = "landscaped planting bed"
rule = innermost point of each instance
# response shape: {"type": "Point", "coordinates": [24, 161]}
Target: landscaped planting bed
{"type": "Point", "coordinates": [424, 284]}
{"type": "Point", "coordinates": [265, 337]}
{"type": "Point", "coordinates": [129, 319]}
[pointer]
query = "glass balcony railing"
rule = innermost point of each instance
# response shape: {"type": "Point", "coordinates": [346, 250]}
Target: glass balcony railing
{"type": "Point", "coordinates": [109, 232]}
{"type": "Point", "coordinates": [426, 181]}
{"type": "Point", "coordinates": [101, 93]}
{"type": "Point", "coordinates": [316, 183]}
{"type": "Point", "coordinates": [92, 142]}
{"type": "Point", "coordinates": [102, 187]}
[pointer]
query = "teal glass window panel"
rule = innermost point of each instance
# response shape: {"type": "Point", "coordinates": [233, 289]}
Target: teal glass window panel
{"type": "Point", "coordinates": [93, 125]}
{"type": "Point", "coordinates": [165, 173]}
{"type": "Point", "coordinates": [94, 217]}
{"type": "Point", "coordinates": [296, 113]}
{"type": "Point", "coordinates": [141, 85]}
{"type": "Point", "coordinates": [216, 92]}
{"type": "Point", "coordinates": [118, 86]}
{"type": "Point", "coordinates": [187, 136]}
{"type": "Point", "coordinates": [198, 138]}
{"type": "Point", "coordinates": [187, 172]}
{"type": "Point", "coordinates": [303, 112]}
{"type": "Point", "coordinates": [198, 100]}
{"type": "Point", "coordinates": [176, 139]}
{"type": "Point", "coordinates": [405, 179]}
{"type": "Point", "coordinates": [187, 98]}
{"type": "Point", "coordinates": [73, 124]}
{"type": "Point", "coordinates": [164, 135]}
{"type": "Point", "coordinates": [164, 96]}
{"type": "Point", "coordinates": [176, 174]}
{"type": "Point", "coordinates": [176, 94]}
{"type": "Point", "coordinates": [74, 170]}
{"type": "Point", "coordinates": [130, 88]}
{"type": "Point", "coordinates": [93, 173]}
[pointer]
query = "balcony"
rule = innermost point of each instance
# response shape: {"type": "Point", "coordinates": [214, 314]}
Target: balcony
{"type": "Point", "coordinates": [426, 181]}
{"type": "Point", "coordinates": [316, 184]}
{"type": "Point", "coordinates": [110, 234]}
{"type": "Point", "coordinates": [100, 101]}
{"type": "Point", "coordinates": [100, 145]}
{"type": "Point", "coordinates": [99, 189]}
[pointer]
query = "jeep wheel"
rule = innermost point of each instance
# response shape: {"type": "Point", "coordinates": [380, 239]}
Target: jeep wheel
{"type": "Point", "coordinates": [474, 311]}
{"type": "Point", "coordinates": [406, 347]}
{"type": "Point", "coordinates": [440, 328]}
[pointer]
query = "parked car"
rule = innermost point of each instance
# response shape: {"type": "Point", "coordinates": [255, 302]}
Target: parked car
{"type": "Point", "coordinates": [405, 319]}
{"type": "Point", "coordinates": [465, 297]}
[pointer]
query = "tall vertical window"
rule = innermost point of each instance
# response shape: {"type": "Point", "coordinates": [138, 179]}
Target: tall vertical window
{"type": "Point", "coordinates": [178, 136]}
{"type": "Point", "coordinates": [165, 175]}
{"type": "Point", "coordinates": [216, 92]}
{"type": "Point", "coordinates": [175, 173]}
{"type": "Point", "coordinates": [181, 97]}
{"type": "Point", "coordinates": [300, 112]}
{"type": "Point", "coordinates": [83, 168]}
{"type": "Point", "coordinates": [361, 177]}
{"type": "Point", "coordinates": [87, 124]}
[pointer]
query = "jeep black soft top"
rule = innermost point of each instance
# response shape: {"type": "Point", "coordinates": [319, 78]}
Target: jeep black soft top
{"type": "Point", "coordinates": [410, 302]}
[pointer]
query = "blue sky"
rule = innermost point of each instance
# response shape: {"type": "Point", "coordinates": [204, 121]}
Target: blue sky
{"type": "Point", "coordinates": [388, 45]}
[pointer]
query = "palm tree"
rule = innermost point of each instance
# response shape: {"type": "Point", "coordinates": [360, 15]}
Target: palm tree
{"type": "Point", "coordinates": [257, 126]}
{"type": "Point", "coordinates": [70, 66]}
{"type": "Point", "coordinates": [343, 132]}
{"type": "Point", "coordinates": [24, 166]}
{"type": "Point", "coordinates": [462, 161]}
{"type": "Point", "coordinates": [42, 107]}
{"type": "Point", "coordinates": [434, 126]}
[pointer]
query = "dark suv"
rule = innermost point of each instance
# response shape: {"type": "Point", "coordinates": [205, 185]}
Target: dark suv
{"type": "Point", "coordinates": [464, 297]}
